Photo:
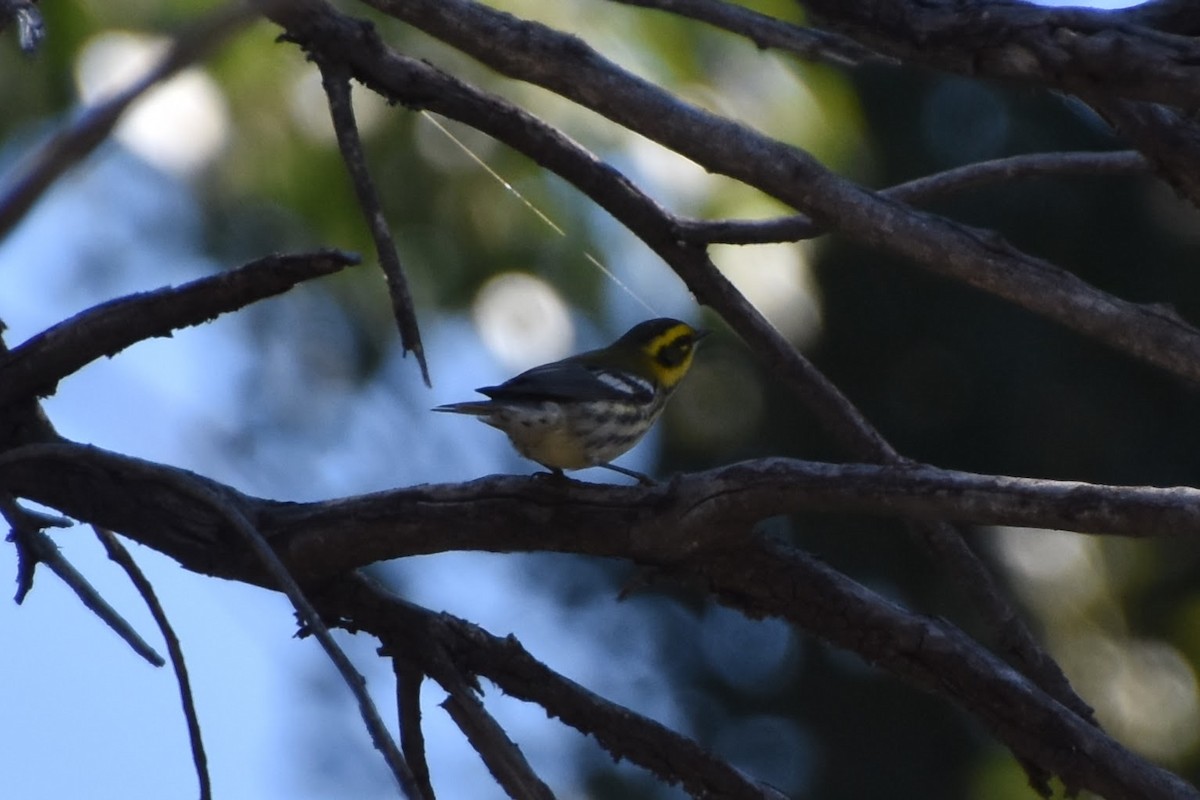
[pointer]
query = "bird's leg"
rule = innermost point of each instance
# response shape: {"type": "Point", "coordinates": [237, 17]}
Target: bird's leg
{"type": "Point", "coordinates": [644, 480]}
{"type": "Point", "coordinates": [553, 474]}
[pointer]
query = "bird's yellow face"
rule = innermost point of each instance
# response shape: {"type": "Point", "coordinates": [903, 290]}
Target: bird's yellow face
{"type": "Point", "coordinates": [670, 352]}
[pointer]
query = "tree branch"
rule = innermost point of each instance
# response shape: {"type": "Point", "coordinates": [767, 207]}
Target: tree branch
{"type": "Point", "coordinates": [35, 547]}
{"type": "Point", "coordinates": [1170, 140]}
{"type": "Point", "coordinates": [658, 524]}
{"type": "Point", "coordinates": [35, 367]}
{"type": "Point", "coordinates": [969, 176]}
{"type": "Point", "coordinates": [503, 758]}
{"type": "Point", "coordinates": [408, 707]}
{"type": "Point", "coordinates": [1076, 50]}
{"type": "Point", "coordinates": [769, 32]}
{"type": "Point", "coordinates": [336, 79]}
{"type": "Point", "coordinates": [117, 553]}
{"type": "Point", "coordinates": [925, 651]}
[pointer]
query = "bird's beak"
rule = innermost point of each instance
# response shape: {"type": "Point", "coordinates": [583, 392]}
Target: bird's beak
{"type": "Point", "coordinates": [700, 334]}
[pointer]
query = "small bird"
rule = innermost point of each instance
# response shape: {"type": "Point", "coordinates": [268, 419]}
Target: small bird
{"type": "Point", "coordinates": [586, 410]}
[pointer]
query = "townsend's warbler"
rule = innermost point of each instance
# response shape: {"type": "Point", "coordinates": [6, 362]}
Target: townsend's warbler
{"type": "Point", "coordinates": [588, 409]}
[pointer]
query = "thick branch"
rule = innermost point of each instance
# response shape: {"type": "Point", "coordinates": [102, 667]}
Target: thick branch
{"type": "Point", "coordinates": [767, 32]}
{"type": "Point", "coordinates": [1080, 51]}
{"type": "Point", "coordinates": [653, 525]}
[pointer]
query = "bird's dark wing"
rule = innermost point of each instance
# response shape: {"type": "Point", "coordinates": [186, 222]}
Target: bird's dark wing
{"type": "Point", "coordinates": [570, 380]}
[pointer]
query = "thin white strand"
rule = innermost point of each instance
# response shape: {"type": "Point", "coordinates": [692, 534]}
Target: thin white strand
{"type": "Point", "coordinates": [537, 211]}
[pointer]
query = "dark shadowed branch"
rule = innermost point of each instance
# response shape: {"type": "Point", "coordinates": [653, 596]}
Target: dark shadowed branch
{"type": "Point", "coordinates": [925, 651]}
{"type": "Point", "coordinates": [35, 547]}
{"type": "Point", "coordinates": [970, 176]}
{"type": "Point", "coordinates": [768, 32]}
{"type": "Point", "coordinates": [625, 734]}
{"type": "Point", "coordinates": [336, 79]}
{"type": "Point", "coordinates": [117, 552]}
{"type": "Point", "coordinates": [408, 706]}
{"type": "Point", "coordinates": [35, 367]}
{"type": "Point", "coordinates": [510, 513]}
{"type": "Point", "coordinates": [503, 758]}
{"type": "Point", "coordinates": [1076, 50]}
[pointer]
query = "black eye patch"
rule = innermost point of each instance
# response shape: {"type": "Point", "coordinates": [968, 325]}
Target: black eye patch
{"type": "Point", "coordinates": [673, 354]}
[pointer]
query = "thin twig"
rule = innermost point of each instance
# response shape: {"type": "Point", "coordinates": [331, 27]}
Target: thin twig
{"type": "Point", "coordinates": [501, 755]}
{"type": "Point", "coordinates": [35, 547]}
{"type": "Point", "coordinates": [408, 706]}
{"type": "Point", "coordinates": [118, 553]}
{"type": "Point", "coordinates": [796, 227]}
{"type": "Point", "coordinates": [336, 79]}
{"type": "Point", "coordinates": [69, 146]}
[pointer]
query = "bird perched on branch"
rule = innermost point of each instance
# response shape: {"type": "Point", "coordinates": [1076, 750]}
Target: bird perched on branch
{"type": "Point", "coordinates": [586, 410]}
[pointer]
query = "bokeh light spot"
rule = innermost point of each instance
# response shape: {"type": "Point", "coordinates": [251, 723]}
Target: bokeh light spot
{"type": "Point", "coordinates": [1144, 692]}
{"type": "Point", "coordinates": [1051, 569]}
{"type": "Point", "coordinates": [178, 126]}
{"type": "Point", "coordinates": [777, 280]}
{"type": "Point", "coordinates": [523, 320]}
{"type": "Point", "coordinates": [309, 107]}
